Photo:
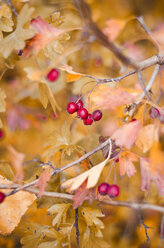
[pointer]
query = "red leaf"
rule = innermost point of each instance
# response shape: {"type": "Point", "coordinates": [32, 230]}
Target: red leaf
{"type": "Point", "coordinates": [45, 34]}
{"type": "Point", "coordinates": [126, 136]}
{"type": "Point", "coordinates": [80, 195]}
{"type": "Point", "coordinates": [44, 177]}
{"type": "Point", "coordinates": [145, 174]}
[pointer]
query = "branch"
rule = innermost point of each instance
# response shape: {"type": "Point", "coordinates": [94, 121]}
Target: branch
{"type": "Point", "coordinates": [12, 7]}
{"type": "Point", "coordinates": [100, 36]}
{"type": "Point", "coordinates": [143, 85]}
{"type": "Point", "coordinates": [134, 205]}
{"type": "Point", "coordinates": [77, 226]}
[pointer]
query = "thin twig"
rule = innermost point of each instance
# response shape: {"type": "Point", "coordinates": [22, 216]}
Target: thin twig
{"type": "Point", "coordinates": [142, 223]}
{"type": "Point", "coordinates": [12, 8]}
{"type": "Point", "coordinates": [143, 85]}
{"type": "Point", "coordinates": [77, 226]}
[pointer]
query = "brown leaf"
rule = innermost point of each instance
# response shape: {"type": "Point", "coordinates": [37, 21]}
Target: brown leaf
{"type": "Point", "coordinates": [126, 136]}
{"type": "Point", "coordinates": [17, 159]}
{"type": "Point", "coordinates": [43, 179]}
{"type": "Point", "coordinates": [80, 195]}
{"type": "Point", "coordinates": [13, 208]}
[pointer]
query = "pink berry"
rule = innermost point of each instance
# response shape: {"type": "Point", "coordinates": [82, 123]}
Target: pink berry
{"type": "Point", "coordinates": [2, 197]}
{"type": "Point", "coordinates": [113, 191]}
{"type": "Point", "coordinates": [1, 133]}
{"type": "Point", "coordinates": [154, 113]}
{"type": "Point", "coordinates": [52, 75]}
{"type": "Point", "coordinates": [117, 160]}
{"type": "Point", "coordinates": [82, 113]}
{"type": "Point", "coordinates": [103, 188]}
{"type": "Point", "coordinates": [79, 104]}
{"type": "Point", "coordinates": [133, 120]}
{"type": "Point", "coordinates": [89, 120]}
{"type": "Point", "coordinates": [71, 107]}
{"type": "Point", "coordinates": [97, 115]}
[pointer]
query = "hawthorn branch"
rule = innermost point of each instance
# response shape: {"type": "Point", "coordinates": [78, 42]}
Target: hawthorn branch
{"type": "Point", "coordinates": [100, 36]}
{"type": "Point", "coordinates": [142, 223]}
{"type": "Point", "coordinates": [76, 224]}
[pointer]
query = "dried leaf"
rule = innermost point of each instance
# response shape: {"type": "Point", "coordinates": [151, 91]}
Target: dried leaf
{"type": "Point", "coordinates": [17, 159]}
{"type": "Point", "coordinates": [147, 135]}
{"type": "Point", "coordinates": [126, 136]}
{"type": "Point", "coordinates": [92, 176]}
{"type": "Point", "coordinates": [125, 163]}
{"type": "Point", "coordinates": [108, 98]}
{"type": "Point", "coordinates": [16, 40]}
{"type": "Point", "coordinates": [145, 174]}
{"type": "Point", "coordinates": [43, 179]}
{"type": "Point", "coordinates": [72, 77]}
{"type": "Point", "coordinates": [2, 103]}
{"type": "Point", "coordinates": [45, 34]}
{"type": "Point", "coordinates": [6, 22]}
{"type": "Point", "coordinates": [13, 208]}
{"type": "Point", "coordinates": [61, 213]}
{"type": "Point", "coordinates": [90, 241]}
{"type": "Point", "coordinates": [80, 195]}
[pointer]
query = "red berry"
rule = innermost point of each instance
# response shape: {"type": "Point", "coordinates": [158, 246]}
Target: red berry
{"type": "Point", "coordinates": [117, 160]}
{"type": "Point", "coordinates": [154, 113]}
{"type": "Point", "coordinates": [1, 133]}
{"type": "Point", "coordinates": [82, 113]}
{"type": "Point", "coordinates": [97, 115]}
{"type": "Point", "coordinates": [71, 107]}
{"type": "Point", "coordinates": [2, 197]}
{"type": "Point", "coordinates": [103, 188]}
{"type": "Point", "coordinates": [52, 75]}
{"type": "Point", "coordinates": [133, 120]}
{"type": "Point", "coordinates": [113, 191]}
{"type": "Point", "coordinates": [79, 104]}
{"type": "Point", "coordinates": [89, 120]}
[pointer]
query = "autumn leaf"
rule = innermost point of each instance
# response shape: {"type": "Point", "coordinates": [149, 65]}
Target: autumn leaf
{"type": "Point", "coordinates": [92, 176]}
{"type": "Point", "coordinates": [113, 28]}
{"type": "Point", "coordinates": [43, 179]}
{"type": "Point", "coordinates": [147, 135]}
{"type": "Point", "coordinates": [109, 98]}
{"type": "Point", "coordinates": [61, 213]}
{"type": "Point", "coordinates": [45, 34]}
{"type": "Point", "coordinates": [145, 174]}
{"type": "Point", "coordinates": [72, 77]}
{"type": "Point", "coordinates": [6, 22]}
{"type": "Point", "coordinates": [92, 216]}
{"type": "Point", "coordinates": [126, 165]}
{"type": "Point", "coordinates": [2, 103]}
{"type": "Point", "coordinates": [126, 135]}
{"type": "Point", "coordinates": [17, 159]}
{"type": "Point", "coordinates": [13, 208]}
{"type": "Point", "coordinates": [16, 40]}
{"type": "Point", "coordinates": [80, 195]}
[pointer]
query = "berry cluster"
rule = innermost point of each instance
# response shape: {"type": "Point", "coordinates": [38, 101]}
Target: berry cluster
{"type": "Point", "coordinates": [82, 112]}
{"type": "Point", "coordinates": [111, 190]}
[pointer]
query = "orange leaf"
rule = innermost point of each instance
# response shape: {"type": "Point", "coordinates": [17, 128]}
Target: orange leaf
{"type": "Point", "coordinates": [72, 77]}
{"type": "Point", "coordinates": [13, 208]}
{"type": "Point", "coordinates": [108, 98]}
{"type": "Point", "coordinates": [126, 136]}
{"type": "Point", "coordinates": [126, 165]}
{"type": "Point", "coordinates": [44, 177]}
{"type": "Point", "coordinates": [45, 34]}
{"type": "Point", "coordinates": [17, 159]}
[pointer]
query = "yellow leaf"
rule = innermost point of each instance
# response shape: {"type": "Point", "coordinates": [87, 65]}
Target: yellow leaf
{"type": "Point", "coordinates": [92, 216]}
{"type": "Point", "coordinates": [13, 208]}
{"type": "Point", "coordinates": [72, 77]}
{"type": "Point", "coordinates": [16, 40]}
{"type": "Point", "coordinates": [43, 95]}
{"type": "Point", "coordinates": [147, 136]}
{"type": "Point", "coordinates": [60, 210]}
{"type": "Point", "coordinates": [2, 101]}
{"type": "Point", "coordinates": [92, 175]}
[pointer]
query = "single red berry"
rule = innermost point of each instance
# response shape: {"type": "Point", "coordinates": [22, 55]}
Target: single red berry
{"type": "Point", "coordinates": [154, 113]}
{"type": "Point", "coordinates": [133, 120]}
{"type": "Point", "coordinates": [79, 104]}
{"type": "Point", "coordinates": [52, 75]}
{"type": "Point", "coordinates": [97, 115]}
{"type": "Point", "coordinates": [71, 107]}
{"type": "Point", "coordinates": [113, 191]}
{"type": "Point", "coordinates": [1, 133]}
{"type": "Point", "coordinates": [117, 160]}
{"type": "Point", "coordinates": [2, 197]}
{"type": "Point", "coordinates": [82, 113]}
{"type": "Point", "coordinates": [89, 120]}
{"type": "Point", "coordinates": [103, 188]}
